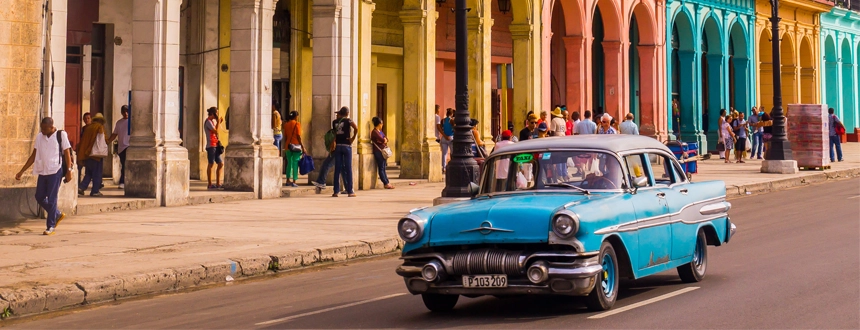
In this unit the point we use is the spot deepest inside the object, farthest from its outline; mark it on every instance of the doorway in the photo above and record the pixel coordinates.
(382, 105)
(74, 88)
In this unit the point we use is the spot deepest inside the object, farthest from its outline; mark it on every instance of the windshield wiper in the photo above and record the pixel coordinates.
(568, 185)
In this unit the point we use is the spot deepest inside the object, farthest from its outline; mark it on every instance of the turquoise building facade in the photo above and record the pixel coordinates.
(710, 53)
(840, 46)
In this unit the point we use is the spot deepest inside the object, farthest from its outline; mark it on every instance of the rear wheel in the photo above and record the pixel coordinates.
(695, 270)
(605, 291)
(439, 302)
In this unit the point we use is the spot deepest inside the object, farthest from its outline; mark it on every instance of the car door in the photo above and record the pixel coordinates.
(681, 196)
(652, 217)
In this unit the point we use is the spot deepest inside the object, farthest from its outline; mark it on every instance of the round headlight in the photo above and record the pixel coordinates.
(409, 230)
(565, 225)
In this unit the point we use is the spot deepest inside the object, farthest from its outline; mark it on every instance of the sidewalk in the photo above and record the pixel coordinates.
(107, 256)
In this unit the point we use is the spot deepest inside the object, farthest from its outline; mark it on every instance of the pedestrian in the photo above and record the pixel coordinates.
(606, 125)
(543, 118)
(345, 132)
(676, 118)
(614, 124)
(558, 125)
(836, 130)
(575, 118)
(720, 138)
(380, 143)
(506, 140)
(319, 183)
(628, 126)
(89, 153)
(528, 115)
(277, 128)
(757, 132)
(528, 132)
(478, 147)
(214, 147)
(766, 123)
(438, 128)
(87, 119)
(568, 123)
(121, 135)
(446, 135)
(740, 126)
(511, 128)
(542, 130)
(294, 148)
(52, 161)
(728, 137)
(586, 126)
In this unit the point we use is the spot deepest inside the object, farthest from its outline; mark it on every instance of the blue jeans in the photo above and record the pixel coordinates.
(47, 188)
(836, 140)
(122, 166)
(94, 174)
(278, 140)
(381, 164)
(343, 167)
(446, 149)
(324, 170)
(757, 145)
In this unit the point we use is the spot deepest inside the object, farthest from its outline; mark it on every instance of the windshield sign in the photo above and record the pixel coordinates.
(559, 170)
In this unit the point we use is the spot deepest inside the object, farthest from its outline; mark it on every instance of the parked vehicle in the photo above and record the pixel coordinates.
(566, 216)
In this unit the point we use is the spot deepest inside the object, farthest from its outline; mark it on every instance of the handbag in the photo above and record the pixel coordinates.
(721, 146)
(294, 147)
(100, 148)
(747, 145)
(306, 164)
(386, 152)
(839, 128)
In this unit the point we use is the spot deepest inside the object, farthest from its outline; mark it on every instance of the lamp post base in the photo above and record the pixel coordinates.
(779, 166)
(448, 200)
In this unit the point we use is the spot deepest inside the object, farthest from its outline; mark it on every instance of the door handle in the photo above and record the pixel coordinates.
(661, 195)
(684, 191)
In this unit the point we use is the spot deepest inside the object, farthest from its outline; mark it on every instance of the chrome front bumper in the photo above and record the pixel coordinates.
(575, 276)
(731, 229)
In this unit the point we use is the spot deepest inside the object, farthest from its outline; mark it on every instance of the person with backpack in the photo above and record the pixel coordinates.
(294, 148)
(53, 162)
(345, 132)
(328, 140)
(837, 129)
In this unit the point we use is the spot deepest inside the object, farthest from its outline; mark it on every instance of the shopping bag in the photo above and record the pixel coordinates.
(100, 148)
(306, 164)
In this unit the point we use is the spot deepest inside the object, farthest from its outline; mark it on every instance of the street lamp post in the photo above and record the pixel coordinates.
(462, 169)
(780, 148)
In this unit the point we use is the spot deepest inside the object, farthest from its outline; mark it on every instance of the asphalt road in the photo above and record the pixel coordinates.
(795, 263)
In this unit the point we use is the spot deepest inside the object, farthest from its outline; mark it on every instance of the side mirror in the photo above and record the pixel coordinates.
(639, 182)
(474, 189)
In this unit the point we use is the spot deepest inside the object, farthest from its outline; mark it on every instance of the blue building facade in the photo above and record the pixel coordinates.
(840, 46)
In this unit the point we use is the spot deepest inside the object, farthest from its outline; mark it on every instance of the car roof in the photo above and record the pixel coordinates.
(616, 143)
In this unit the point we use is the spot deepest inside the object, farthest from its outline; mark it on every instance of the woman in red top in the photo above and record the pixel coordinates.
(380, 142)
(213, 151)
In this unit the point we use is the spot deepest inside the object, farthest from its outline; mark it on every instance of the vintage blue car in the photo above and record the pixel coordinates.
(565, 216)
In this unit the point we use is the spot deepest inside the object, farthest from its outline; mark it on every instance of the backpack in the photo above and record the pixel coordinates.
(330, 136)
(62, 158)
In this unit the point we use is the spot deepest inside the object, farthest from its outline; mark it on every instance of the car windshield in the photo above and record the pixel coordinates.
(561, 170)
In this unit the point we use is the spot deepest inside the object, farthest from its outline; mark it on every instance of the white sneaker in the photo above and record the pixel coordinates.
(122, 186)
(49, 232)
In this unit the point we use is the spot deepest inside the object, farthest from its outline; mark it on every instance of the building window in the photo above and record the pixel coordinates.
(282, 29)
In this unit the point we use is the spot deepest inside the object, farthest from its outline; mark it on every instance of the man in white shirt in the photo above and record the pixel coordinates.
(558, 126)
(53, 162)
(586, 126)
(628, 126)
(121, 135)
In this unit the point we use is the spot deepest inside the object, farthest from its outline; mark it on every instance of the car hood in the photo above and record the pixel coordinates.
(515, 218)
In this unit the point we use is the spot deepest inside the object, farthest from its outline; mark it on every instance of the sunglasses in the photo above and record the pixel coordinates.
(532, 122)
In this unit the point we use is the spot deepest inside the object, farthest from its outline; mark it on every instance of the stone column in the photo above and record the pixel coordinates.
(719, 94)
(332, 40)
(367, 174)
(156, 165)
(55, 95)
(614, 81)
(690, 102)
(252, 162)
(480, 26)
(420, 156)
(527, 92)
(201, 91)
(649, 113)
(742, 96)
(575, 81)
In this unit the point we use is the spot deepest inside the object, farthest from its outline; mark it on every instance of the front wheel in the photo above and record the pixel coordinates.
(695, 270)
(439, 302)
(605, 291)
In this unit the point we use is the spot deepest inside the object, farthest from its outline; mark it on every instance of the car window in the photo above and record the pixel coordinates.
(552, 170)
(663, 170)
(636, 168)
(680, 174)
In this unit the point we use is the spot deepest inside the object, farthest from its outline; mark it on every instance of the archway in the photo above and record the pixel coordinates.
(739, 72)
(598, 70)
(643, 70)
(713, 83)
(567, 55)
(683, 83)
(847, 85)
(830, 74)
(606, 59)
(766, 71)
(789, 70)
(807, 73)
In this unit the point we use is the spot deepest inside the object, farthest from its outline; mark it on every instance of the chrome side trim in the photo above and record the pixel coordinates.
(658, 220)
(715, 208)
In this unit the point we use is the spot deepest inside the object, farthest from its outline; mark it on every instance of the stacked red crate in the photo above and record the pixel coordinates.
(808, 133)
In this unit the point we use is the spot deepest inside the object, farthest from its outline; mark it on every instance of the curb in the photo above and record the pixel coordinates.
(50, 298)
(783, 184)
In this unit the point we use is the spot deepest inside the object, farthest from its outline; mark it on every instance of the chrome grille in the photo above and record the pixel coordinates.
(487, 261)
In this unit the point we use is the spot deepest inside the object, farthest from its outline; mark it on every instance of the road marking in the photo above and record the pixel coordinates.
(288, 318)
(643, 303)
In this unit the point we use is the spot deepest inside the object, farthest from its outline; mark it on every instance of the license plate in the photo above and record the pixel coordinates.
(485, 281)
